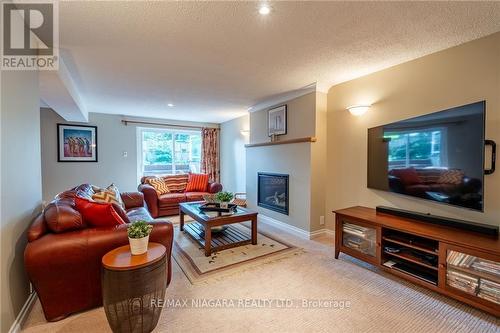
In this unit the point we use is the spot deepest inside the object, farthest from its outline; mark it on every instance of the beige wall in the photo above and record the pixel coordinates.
(113, 139)
(233, 153)
(300, 119)
(287, 159)
(318, 164)
(453, 77)
(21, 188)
(292, 159)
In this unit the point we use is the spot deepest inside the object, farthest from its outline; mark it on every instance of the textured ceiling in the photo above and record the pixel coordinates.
(213, 60)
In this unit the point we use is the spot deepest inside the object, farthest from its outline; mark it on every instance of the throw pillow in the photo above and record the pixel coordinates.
(197, 182)
(106, 197)
(115, 190)
(109, 194)
(454, 177)
(97, 189)
(429, 175)
(176, 183)
(159, 185)
(98, 214)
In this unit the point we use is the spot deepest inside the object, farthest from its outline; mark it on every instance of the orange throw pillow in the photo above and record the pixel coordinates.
(159, 185)
(176, 183)
(98, 214)
(198, 182)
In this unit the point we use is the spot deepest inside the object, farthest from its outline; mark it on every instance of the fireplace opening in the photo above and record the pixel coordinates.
(273, 192)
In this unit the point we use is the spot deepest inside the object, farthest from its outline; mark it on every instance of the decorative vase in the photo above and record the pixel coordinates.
(224, 205)
(138, 246)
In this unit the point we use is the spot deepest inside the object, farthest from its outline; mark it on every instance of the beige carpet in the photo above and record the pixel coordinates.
(379, 302)
(190, 256)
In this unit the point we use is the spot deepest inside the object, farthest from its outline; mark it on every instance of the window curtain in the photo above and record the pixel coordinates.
(210, 153)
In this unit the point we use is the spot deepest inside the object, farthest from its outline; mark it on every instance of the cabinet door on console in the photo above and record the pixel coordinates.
(359, 239)
(474, 275)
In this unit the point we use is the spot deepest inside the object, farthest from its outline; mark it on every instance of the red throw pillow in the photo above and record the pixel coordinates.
(98, 214)
(197, 182)
(408, 176)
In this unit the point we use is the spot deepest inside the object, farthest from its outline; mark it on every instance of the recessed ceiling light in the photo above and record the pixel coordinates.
(264, 10)
(170, 105)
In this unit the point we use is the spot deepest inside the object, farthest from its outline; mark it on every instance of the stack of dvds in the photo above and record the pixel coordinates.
(359, 238)
(460, 259)
(486, 266)
(489, 290)
(462, 281)
(358, 230)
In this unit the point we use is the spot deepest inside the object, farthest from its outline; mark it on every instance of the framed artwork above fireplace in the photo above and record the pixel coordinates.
(272, 191)
(277, 120)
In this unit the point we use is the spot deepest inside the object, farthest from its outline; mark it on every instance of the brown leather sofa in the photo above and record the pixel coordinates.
(63, 255)
(168, 204)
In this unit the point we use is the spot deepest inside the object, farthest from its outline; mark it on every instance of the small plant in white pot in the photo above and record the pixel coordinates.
(224, 198)
(138, 237)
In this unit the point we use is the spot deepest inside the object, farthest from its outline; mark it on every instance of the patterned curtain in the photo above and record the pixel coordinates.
(210, 153)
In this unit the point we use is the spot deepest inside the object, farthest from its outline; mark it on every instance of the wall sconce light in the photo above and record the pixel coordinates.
(245, 132)
(358, 110)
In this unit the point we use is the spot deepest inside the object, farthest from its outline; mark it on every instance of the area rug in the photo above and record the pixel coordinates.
(175, 219)
(190, 256)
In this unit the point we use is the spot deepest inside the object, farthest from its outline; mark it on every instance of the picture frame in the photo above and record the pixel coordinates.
(277, 120)
(76, 143)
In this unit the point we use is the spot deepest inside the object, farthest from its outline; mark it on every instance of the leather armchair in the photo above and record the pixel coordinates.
(132, 199)
(65, 267)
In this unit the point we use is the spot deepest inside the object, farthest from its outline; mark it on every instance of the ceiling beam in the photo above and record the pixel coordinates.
(59, 91)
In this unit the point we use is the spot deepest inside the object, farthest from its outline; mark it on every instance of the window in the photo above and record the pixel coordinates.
(166, 151)
(417, 148)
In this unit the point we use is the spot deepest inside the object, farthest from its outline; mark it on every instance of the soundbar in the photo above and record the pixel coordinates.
(485, 229)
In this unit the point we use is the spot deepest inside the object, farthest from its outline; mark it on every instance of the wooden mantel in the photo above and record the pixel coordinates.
(283, 142)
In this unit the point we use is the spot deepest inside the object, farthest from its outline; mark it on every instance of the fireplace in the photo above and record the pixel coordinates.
(272, 191)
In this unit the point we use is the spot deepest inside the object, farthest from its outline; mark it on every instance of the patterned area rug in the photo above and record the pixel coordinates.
(191, 258)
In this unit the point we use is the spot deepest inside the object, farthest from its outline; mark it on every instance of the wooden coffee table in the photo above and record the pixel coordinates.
(201, 230)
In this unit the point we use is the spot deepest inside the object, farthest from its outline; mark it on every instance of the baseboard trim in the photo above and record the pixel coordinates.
(322, 232)
(23, 314)
(292, 229)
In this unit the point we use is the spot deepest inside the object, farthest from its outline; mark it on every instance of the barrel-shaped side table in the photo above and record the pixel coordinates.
(133, 287)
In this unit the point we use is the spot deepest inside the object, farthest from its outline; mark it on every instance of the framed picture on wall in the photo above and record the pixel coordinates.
(76, 143)
(277, 120)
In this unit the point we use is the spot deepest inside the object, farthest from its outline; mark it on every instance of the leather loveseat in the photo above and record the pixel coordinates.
(63, 255)
(168, 204)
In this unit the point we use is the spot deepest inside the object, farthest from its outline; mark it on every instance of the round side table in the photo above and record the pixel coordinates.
(133, 286)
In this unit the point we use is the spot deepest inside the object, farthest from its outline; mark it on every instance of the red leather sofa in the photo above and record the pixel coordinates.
(63, 255)
(168, 204)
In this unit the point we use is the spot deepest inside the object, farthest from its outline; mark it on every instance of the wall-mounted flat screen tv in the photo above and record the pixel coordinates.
(438, 156)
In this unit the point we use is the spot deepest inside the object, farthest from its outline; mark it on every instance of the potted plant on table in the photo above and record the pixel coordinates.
(224, 198)
(138, 237)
